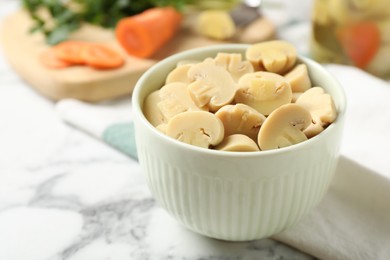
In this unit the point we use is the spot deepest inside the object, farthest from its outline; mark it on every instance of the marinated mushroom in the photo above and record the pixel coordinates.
(151, 110)
(212, 86)
(240, 119)
(162, 128)
(179, 74)
(299, 78)
(198, 128)
(258, 30)
(376, 65)
(295, 96)
(284, 127)
(321, 13)
(174, 99)
(216, 24)
(186, 62)
(357, 10)
(339, 14)
(274, 56)
(321, 107)
(239, 100)
(237, 143)
(234, 64)
(263, 91)
(384, 28)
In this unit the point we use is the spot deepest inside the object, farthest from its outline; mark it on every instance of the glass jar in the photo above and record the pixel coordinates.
(354, 32)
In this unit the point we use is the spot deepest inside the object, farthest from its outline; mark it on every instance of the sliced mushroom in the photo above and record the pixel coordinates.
(216, 24)
(186, 62)
(299, 78)
(321, 107)
(274, 56)
(349, 11)
(369, 9)
(237, 143)
(240, 119)
(295, 96)
(313, 130)
(377, 64)
(174, 99)
(361, 4)
(384, 28)
(339, 11)
(211, 86)
(257, 31)
(321, 13)
(151, 110)
(284, 127)
(162, 128)
(263, 91)
(233, 63)
(198, 128)
(179, 74)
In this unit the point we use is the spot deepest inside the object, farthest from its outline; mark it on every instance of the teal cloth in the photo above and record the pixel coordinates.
(122, 137)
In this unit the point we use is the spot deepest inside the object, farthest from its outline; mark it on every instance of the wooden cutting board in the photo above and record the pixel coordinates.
(22, 50)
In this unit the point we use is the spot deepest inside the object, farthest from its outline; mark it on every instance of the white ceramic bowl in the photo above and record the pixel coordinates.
(236, 196)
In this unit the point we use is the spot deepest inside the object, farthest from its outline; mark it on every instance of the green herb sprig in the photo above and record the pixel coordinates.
(60, 18)
(56, 19)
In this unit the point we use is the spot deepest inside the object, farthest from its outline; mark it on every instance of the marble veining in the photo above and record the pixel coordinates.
(67, 196)
(118, 220)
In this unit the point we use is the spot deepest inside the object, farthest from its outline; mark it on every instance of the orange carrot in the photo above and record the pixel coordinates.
(50, 60)
(70, 51)
(101, 57)
(144, 34)
(360, 42)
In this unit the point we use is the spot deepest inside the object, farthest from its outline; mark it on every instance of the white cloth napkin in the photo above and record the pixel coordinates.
(353, 220)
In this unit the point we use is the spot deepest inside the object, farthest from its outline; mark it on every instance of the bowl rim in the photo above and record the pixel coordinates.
(137, 106)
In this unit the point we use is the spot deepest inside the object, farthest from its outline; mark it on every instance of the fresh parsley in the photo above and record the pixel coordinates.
(56, 19)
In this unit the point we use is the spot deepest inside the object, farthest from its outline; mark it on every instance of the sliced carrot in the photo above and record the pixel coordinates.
(70, 51)
(50, 60)
(360, 42)
(101, 57)
(144, 34)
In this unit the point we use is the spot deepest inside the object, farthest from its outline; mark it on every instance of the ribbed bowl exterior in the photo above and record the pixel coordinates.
(231, 195)
(237, 207)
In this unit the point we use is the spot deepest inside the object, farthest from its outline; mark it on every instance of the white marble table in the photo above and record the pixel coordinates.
(65, 195)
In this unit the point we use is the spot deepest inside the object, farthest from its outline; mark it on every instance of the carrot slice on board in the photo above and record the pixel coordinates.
(70, 51)
(81, 53)
(49, 59)
(101, 57)
(360, 42)
(143, 34)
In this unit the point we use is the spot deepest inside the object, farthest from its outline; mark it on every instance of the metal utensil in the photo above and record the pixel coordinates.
(246, 12)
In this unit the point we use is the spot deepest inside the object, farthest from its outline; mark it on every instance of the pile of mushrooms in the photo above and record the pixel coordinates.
(265, 101)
